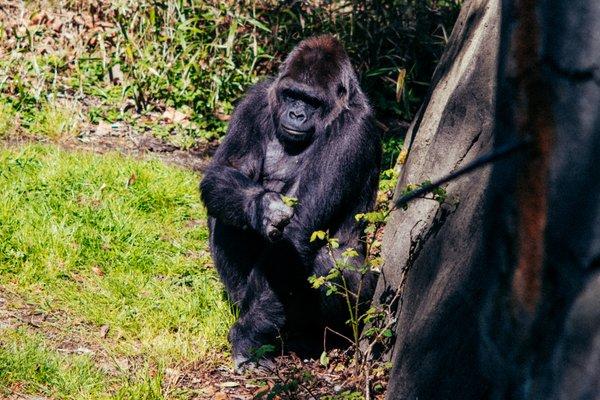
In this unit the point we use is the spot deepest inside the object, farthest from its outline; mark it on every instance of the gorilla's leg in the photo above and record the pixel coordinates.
(235, 252)
(240, 257)
(262, 316)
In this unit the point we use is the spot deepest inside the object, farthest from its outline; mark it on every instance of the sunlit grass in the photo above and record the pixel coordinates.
(27, 366)
(55, 120)
(110, 240)
(8, 120)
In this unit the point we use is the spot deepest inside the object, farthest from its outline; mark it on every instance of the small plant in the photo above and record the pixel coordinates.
(371, 329)
(8, 122)
(54, 121)
(378, 321)
(335, 282)
(437, 194)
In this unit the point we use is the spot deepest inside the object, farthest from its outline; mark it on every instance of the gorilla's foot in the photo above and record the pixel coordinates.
(243, 364)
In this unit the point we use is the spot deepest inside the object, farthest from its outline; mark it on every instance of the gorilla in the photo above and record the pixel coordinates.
(307, 134)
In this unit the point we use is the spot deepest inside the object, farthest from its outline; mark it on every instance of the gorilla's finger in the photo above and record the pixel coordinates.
(243, 365)
(240, 363)
(282, 223)
(281, 219)
(273, 233)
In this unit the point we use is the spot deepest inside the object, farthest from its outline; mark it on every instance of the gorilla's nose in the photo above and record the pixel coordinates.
(297, 116)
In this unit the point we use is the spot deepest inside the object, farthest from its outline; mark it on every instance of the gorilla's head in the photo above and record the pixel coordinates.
(316, 83)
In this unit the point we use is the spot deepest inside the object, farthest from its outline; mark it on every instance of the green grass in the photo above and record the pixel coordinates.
(27, 364)
(54, 121)
(106, 240)
(8, 118)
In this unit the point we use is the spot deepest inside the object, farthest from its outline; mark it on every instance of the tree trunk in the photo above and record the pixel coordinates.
(430, 249)
(500, 285)
(540, 328)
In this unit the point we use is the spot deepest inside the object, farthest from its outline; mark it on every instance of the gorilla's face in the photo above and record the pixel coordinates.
(313, 88)
(299, 111)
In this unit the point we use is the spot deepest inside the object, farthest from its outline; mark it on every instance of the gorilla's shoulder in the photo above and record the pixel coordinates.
(261, 87)
(258, 93)
(255, 98)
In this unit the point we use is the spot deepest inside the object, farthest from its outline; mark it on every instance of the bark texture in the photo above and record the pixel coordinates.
(540, 327)
(500, 286)
(430, 248)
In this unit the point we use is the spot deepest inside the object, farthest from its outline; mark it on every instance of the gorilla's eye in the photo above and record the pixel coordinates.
(341, 91)
(313, 102)
(289, 95)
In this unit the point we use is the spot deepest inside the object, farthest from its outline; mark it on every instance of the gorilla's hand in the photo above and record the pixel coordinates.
(273, 215)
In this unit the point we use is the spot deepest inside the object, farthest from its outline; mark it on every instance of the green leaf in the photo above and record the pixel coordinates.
(263, 350)
(317, 282)
(289, 201)
(350, 253)
(370, 332)
(334, 273)
(324, 359)
(318, 235)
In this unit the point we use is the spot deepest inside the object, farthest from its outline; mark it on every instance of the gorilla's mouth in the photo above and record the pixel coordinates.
(294, 132)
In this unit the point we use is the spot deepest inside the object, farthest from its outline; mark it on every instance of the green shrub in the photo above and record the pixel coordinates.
(202, 55)
(208, 54)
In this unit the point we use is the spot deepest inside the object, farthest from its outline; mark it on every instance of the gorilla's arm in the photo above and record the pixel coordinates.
(229, 188)
(230, 195)
(340, 183)
(236, 200)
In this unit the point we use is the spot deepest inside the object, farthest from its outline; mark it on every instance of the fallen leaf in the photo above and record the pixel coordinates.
(97, 270)
(173, 116)
(262, 391)
(220, 396)
(104, 331)
(104, 24)
(78, 20)
(38, 19)
(222, 116)
(230, 384)
(131, 180)
(57, 25)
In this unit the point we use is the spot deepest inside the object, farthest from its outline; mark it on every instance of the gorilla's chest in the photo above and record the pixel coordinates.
(281, 170)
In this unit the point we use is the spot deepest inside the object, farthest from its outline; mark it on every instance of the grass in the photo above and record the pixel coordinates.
(28, 365)
(7, 120)
(55, 121)
(105, 241)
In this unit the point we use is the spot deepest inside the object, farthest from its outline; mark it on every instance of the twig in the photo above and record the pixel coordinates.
(495, 155)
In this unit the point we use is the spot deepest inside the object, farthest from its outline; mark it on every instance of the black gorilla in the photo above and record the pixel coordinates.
(306, 134)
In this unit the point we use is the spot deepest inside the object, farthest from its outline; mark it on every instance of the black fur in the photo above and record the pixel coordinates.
(260, 246)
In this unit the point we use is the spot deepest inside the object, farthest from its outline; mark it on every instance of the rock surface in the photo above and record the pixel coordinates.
(429, 248)
(499, 285)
